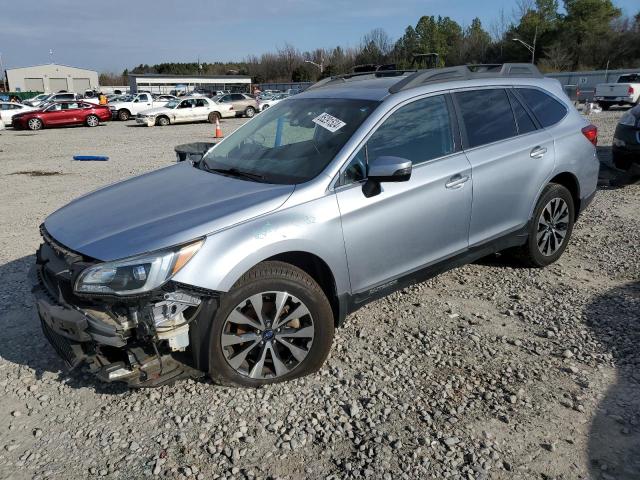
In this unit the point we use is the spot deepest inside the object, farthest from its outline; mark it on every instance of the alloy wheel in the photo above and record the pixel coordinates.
(35, 124)
(267, 335)
(553, 225)
(92, 121)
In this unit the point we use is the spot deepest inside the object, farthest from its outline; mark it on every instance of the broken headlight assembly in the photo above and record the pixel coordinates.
(136, 275)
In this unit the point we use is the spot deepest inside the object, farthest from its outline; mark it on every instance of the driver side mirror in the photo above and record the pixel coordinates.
(386, 169)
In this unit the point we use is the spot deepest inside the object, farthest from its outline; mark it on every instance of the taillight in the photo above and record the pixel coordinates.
(591, 132)
(630, 90)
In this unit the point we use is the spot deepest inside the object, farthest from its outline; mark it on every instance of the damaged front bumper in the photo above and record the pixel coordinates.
(144, 341)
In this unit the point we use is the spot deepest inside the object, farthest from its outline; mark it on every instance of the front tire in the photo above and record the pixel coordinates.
(274, 325)
(162, 121)
(92, 121)
(250, 112)
(550, 227)
(34, 124)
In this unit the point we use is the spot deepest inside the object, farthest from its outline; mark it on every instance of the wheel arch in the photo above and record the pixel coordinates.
(567, 180)
(163, 115)
(316, 268)
(571, 183)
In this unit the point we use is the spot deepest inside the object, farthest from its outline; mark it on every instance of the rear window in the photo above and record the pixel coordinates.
(547, 109)
(630, 78)
(487, 116)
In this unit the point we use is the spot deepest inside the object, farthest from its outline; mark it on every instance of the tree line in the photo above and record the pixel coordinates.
(588, 35)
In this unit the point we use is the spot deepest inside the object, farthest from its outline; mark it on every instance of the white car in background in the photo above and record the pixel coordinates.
(186, 110)
(9, 109)
(270, 102)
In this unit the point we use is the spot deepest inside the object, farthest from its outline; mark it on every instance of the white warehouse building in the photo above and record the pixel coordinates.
(160, 83)
(51, 78)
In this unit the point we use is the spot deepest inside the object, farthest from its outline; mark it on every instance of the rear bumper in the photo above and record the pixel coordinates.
(613, 99)
(585, 202)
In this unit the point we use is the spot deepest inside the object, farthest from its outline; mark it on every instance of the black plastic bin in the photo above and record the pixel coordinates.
(192, 151)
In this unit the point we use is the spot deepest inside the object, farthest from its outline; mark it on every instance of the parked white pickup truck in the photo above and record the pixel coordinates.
(626, 91)
(184, 110)
(133, 105)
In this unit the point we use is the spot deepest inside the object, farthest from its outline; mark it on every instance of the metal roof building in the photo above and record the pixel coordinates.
(158, 83)
(51, 78)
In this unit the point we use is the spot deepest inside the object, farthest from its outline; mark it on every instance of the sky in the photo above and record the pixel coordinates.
(118, 34)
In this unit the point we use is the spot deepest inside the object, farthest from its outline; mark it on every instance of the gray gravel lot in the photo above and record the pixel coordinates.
(488, 371)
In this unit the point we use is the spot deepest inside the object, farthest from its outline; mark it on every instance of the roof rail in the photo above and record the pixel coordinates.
(466, 72)
(357, 75)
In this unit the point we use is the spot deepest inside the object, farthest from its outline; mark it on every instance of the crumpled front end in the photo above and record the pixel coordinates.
(143, 340)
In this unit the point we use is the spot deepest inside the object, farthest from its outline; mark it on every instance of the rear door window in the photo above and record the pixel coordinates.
(486, 115)
(547, 109)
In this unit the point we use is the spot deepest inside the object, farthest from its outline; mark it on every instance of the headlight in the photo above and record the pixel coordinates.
(628, 119)
(138, 274)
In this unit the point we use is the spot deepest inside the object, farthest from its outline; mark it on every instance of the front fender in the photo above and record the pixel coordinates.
(313, 227)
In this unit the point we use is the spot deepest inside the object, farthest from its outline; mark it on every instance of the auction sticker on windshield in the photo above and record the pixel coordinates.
(329, 122)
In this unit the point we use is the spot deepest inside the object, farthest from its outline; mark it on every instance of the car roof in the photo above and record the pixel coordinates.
(382, 84)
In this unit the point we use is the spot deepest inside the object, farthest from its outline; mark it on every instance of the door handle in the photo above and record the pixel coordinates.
(538, 152)
(456, 182)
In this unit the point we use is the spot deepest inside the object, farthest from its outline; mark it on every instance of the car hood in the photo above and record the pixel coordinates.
(162, 208)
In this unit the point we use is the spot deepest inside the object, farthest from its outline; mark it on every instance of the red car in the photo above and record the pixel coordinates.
(73, 112)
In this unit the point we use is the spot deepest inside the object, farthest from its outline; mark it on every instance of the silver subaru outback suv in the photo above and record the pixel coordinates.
(242, 264)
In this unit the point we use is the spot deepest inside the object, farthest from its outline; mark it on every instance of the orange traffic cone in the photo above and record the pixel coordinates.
(218, 130)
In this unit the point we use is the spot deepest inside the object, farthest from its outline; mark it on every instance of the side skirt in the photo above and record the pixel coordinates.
(349, 303)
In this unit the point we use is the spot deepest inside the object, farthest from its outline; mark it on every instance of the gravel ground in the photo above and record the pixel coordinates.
(488, 371)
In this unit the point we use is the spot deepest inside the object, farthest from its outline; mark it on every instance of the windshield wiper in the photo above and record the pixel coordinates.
(234, 172)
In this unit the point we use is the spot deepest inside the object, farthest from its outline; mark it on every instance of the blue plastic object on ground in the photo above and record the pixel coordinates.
(98, 158)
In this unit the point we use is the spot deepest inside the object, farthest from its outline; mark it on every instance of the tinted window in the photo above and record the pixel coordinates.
(200, 103)
(547, 109)
(524, 121)
(487, 116)
(630, 78)
(237, 96)
(419, 132)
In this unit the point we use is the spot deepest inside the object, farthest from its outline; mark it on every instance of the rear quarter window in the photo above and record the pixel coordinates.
(547, 109)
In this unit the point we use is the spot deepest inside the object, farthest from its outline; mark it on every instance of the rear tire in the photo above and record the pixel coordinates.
(622, 162)
(250, 112)
(297, 347)
(35, 124)
(550, 227)
(92, 121)
(213, 116)
(604, 106)
(124, 115)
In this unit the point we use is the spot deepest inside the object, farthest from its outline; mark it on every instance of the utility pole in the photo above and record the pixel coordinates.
(531, 48)
(4, 74)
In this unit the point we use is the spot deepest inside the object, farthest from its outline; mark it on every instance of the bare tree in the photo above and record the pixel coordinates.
(379, 38)
(557, 58)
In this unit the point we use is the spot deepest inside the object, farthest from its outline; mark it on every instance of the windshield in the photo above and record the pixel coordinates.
(292, 141)
(172, 103)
